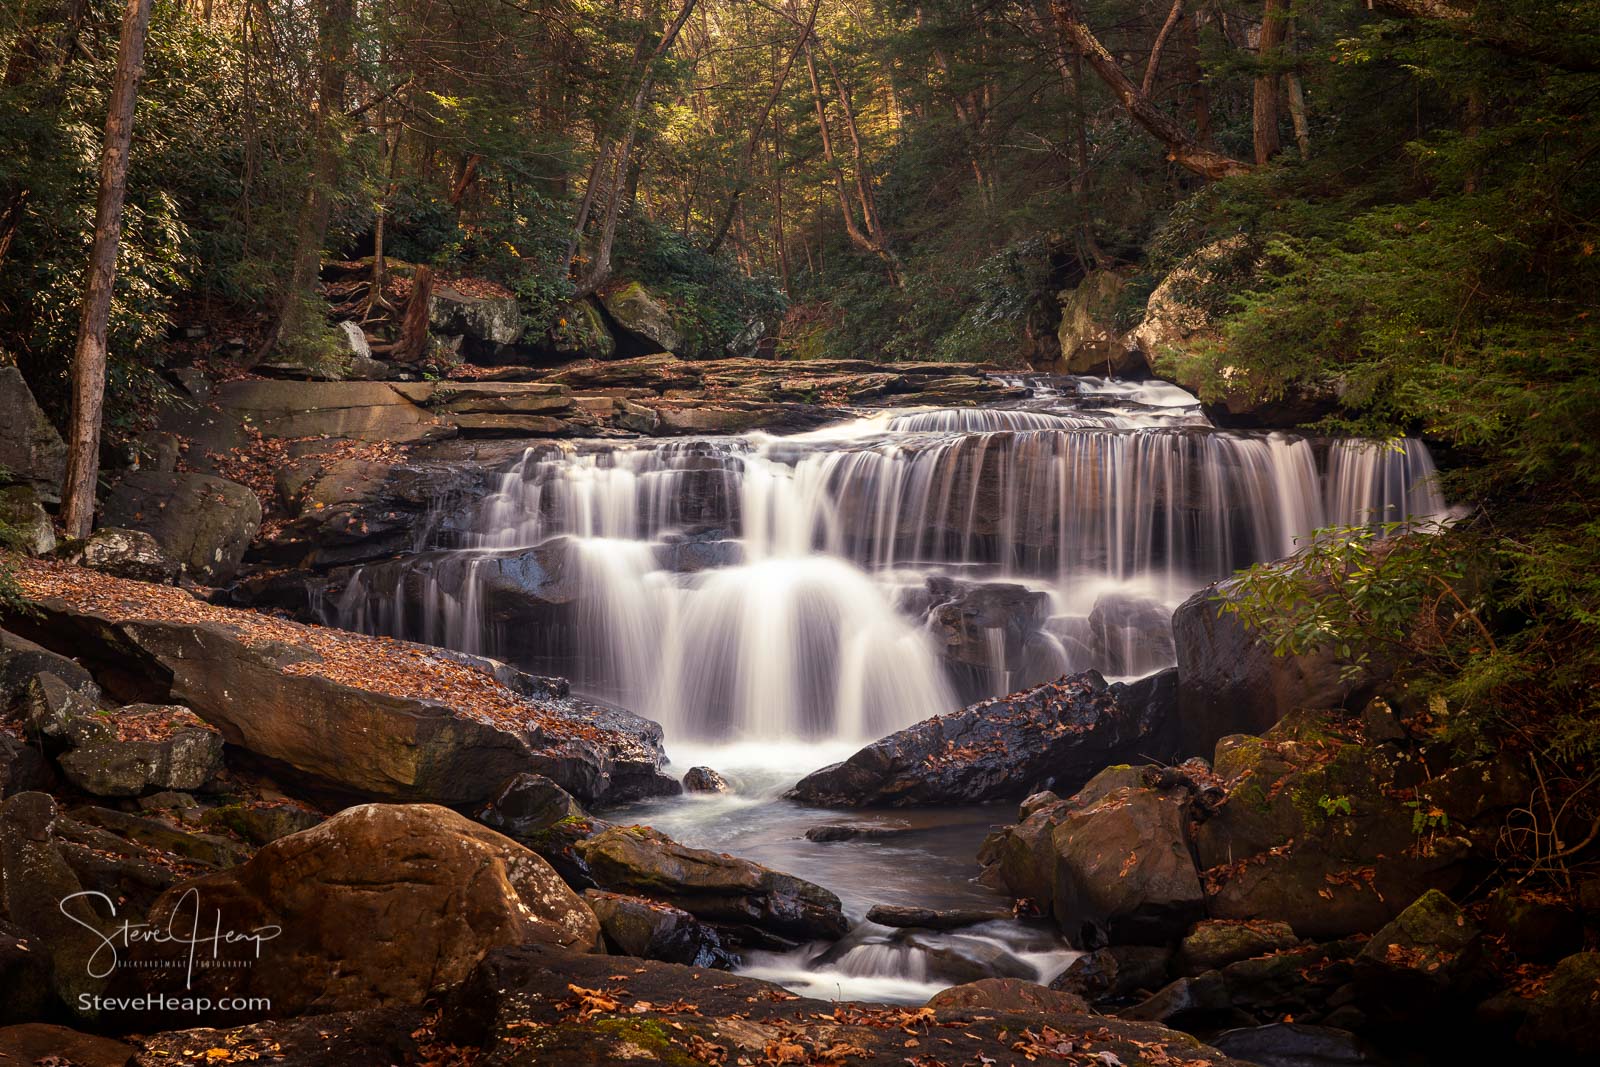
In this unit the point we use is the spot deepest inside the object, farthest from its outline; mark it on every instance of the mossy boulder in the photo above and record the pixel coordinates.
(121, 553)
(1215, 943)
(646, 322)
(204, 523)
(24, 522)
(145, 748)
(1089, 339)
(581, 332)
(1566, 1016)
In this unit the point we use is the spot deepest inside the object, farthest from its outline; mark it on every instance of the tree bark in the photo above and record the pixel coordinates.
(1264, 116)
(1154, 66)
(1182, 148)
(89, 356)
(412, 344)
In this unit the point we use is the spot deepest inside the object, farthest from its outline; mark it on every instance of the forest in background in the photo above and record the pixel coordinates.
(1400, 200)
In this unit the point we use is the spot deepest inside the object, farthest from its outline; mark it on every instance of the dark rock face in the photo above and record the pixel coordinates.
(204, 523)
(930, 918)
(856, 831)
(30, 447)
(380, 905)
(131, 554)
(1007, 994)
(1566, 1017)
(1054, 735)
(1276, 850)
(1295, 1045)
(24, 977)
(711, 886)
(537, 813)
(1231, 681)
(1216, 943)
(516, 987)
(145, 747)
(635, 926)
(1428, 960)
(22, 513)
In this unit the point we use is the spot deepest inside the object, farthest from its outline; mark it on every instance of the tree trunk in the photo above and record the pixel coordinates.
(1264, 120)
(1182, 148)
(412, 345)
(334, 40)
(1297, 113)
(89, 356)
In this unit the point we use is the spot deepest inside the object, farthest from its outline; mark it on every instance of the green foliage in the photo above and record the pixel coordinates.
(1331, 806)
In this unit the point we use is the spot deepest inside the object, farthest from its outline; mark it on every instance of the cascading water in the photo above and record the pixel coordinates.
(786, 599)
(850, 581)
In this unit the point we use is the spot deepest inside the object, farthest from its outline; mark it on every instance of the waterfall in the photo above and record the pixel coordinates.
(846, 582)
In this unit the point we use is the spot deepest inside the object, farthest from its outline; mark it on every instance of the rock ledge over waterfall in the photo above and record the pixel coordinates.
(1052, 736)
(349, 715)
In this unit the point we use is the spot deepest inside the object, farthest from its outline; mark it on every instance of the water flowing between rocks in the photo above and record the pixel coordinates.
(775, 602)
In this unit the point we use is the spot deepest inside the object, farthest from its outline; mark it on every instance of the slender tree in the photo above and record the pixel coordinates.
(89, 355)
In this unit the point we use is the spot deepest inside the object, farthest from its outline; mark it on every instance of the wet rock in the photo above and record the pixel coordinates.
(1215, 943)
(24, 517)
(855, 831)
(737, 1017)
(1566, 1016)
(1117, 973)
(346, 898)
(377, 1038)
(704, 780)
(121, 553)
(1131, 634)
(30, 447)
(1123, 870)
(932, 918)
(1010, 995)
(645, 322)
(535, 812)
(58, 1046)
(981, 626)
(1232, 683)
(147, 747)
(1295, 1045)
(204, 523)
(1052, 736)
(635, 926)
(711, 886)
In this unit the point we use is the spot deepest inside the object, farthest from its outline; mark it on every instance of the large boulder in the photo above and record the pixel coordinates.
(354, 716)
(649, 929)
(581, 332)
(1232, 683)
(381, 905)
(1090, 342)
(1431, 950)
(204, 523)
(711, 886)
(1053, 736)
(1566, 1016)
(30, 448)
(487, 318)
(145, 748)
(363, 411)
(645, 321)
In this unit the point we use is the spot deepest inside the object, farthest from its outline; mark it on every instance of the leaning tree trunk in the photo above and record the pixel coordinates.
(89, 357)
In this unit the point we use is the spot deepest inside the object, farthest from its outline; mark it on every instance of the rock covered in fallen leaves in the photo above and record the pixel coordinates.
(204, 523)
(344, 713)
(1008, 994)
(1216, 943)
(381, 905)
(539, 1006)
(1053, 736)
(711, 886)
(144, 747)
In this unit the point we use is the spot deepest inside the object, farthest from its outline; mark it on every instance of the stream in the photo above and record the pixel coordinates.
(776, 602)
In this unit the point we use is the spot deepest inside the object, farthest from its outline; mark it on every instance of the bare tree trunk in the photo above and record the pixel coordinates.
(1297, 113)
(1264, 120)
(1154, 66)
(1182, 148)
(89, 356)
